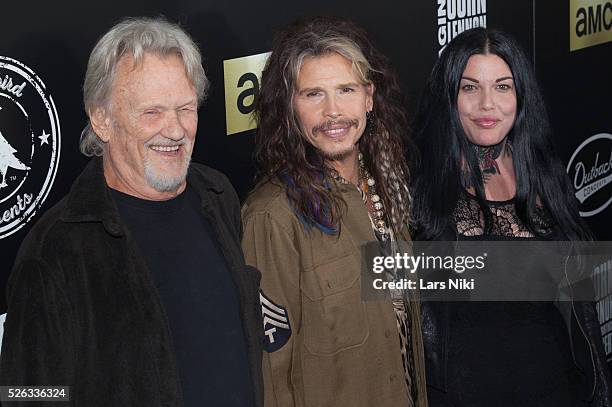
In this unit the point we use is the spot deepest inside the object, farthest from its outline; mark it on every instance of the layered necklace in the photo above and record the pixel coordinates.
(367, 187)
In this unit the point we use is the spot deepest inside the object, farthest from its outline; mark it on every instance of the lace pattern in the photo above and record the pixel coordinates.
(469, 219)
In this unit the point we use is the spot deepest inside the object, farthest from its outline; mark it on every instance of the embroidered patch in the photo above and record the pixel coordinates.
(276, 324)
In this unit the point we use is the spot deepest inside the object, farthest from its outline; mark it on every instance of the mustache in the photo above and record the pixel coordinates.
(328, 125)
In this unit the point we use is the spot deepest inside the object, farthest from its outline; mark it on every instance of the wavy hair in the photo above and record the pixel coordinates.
(134, 37)
(440, 138)
(283, 154)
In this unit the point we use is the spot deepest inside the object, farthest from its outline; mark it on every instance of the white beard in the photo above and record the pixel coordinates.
(163, 182)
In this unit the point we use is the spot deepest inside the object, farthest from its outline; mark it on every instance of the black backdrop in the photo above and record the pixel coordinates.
(55, 39)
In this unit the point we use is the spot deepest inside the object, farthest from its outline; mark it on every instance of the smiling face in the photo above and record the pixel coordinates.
(150, 130)
(487, 100)
(330, 103)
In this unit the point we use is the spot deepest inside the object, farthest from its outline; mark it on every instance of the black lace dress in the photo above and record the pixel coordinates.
(505, 353)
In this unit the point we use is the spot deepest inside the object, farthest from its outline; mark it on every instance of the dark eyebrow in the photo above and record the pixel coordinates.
(306, 90)
(469, 79)
(496, 81)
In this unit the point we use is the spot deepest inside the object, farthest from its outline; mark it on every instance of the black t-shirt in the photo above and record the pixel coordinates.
(198, 295)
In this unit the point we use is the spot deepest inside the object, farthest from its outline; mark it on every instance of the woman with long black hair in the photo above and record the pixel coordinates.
(488, 171)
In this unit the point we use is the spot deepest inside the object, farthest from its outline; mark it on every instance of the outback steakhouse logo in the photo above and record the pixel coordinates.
(590, 170)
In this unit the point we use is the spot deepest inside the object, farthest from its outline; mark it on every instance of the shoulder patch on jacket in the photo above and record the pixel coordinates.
(276, 324)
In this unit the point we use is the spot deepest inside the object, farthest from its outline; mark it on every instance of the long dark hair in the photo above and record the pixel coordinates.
(540, 176)
(283, 155)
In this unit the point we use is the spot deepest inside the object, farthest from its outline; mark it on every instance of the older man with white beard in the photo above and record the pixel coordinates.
(133, 290)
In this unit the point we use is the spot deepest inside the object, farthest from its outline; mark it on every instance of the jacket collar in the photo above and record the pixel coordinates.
(203, 178)
(90, 198)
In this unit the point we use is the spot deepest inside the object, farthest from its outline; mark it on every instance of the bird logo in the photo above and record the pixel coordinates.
(8, 160)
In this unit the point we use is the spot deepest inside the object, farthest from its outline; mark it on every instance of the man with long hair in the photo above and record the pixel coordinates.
(330, 148)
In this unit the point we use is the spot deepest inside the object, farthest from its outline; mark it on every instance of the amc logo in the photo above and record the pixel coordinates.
(590, 23)
(241, 77)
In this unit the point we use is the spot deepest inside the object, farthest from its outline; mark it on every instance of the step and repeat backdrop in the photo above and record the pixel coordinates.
(44, 50)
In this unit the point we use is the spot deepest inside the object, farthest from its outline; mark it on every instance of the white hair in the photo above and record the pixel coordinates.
(134, 37)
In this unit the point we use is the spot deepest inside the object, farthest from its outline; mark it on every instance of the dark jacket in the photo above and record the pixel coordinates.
(586, 345)
(83, 310)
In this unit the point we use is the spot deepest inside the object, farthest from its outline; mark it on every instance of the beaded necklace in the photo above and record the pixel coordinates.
(378, 214)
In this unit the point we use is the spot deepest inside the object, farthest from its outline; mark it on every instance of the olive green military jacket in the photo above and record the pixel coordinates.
(324, 345)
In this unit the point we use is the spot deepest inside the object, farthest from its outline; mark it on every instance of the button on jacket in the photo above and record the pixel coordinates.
(83, 311)
(335, 349)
